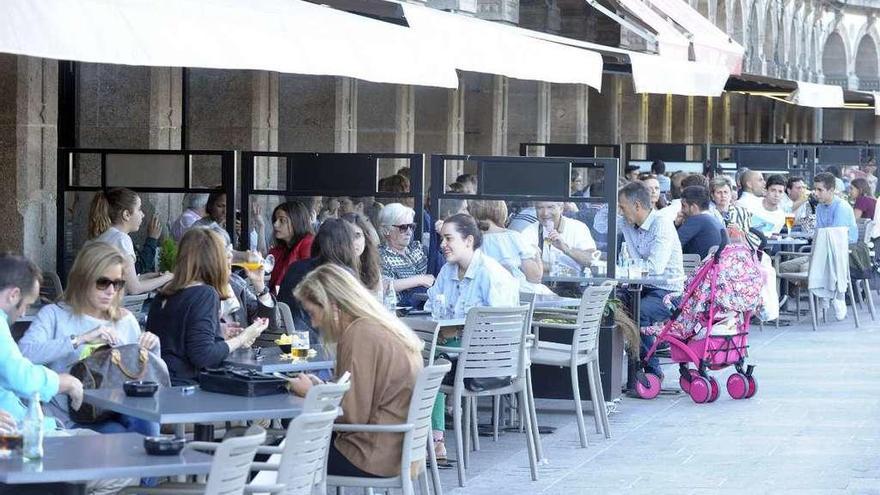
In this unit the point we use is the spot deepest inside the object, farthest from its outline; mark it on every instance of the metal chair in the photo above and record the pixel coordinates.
(493, 345)
(229, 470)
(866, 230)
(583, 350)
(416, 434)
(690, 262)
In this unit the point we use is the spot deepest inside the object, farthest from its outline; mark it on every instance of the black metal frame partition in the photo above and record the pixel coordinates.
(765, 158)
(673, 154)
(331, 175)
(584, 150)
(529, 179)
(69, 161)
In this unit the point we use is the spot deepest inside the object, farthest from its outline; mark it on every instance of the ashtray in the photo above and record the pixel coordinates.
(285, 348)
(163, 445)
(140, 388)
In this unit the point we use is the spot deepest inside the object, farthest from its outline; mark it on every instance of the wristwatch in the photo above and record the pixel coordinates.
(73, 342)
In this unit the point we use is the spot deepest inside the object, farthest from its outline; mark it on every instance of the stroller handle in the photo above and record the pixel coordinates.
(724, 241)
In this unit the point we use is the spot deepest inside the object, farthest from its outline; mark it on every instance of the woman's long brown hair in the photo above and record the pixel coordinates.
(201, 258)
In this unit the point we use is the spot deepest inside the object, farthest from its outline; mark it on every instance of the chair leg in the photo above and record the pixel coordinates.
(435, 471)
(857, 296)
(475, 424)
(797, 305)
(852, 299)
(813, 315)
(424, 487)
(578, 407)
(466, 431)
(496, 416)
(594, 398)
(459, 442)
(606, 427)
(530, 437)
(533, 415)
(870, 300)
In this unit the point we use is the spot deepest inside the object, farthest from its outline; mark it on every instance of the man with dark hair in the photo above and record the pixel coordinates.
(796, 198)
(469, 181)
(672, 211)
(658, 168)
(631, 172)
(19, 378)
(831, 210)
(651, 239)
(700, 229)
(769, 217)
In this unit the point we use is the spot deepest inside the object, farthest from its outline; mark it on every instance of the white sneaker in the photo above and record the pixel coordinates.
(839, 306)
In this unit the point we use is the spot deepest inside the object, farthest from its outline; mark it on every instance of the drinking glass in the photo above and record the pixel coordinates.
(10, 443)
(299, 347)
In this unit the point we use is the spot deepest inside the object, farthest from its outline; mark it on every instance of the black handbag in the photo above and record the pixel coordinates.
(473, 384)
(243, 382)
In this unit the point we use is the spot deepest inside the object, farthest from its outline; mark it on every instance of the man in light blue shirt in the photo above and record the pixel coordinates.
(19, 378)
(653, 239)
(831, 210)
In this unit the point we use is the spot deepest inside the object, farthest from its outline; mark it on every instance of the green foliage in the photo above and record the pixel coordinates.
(167, 255)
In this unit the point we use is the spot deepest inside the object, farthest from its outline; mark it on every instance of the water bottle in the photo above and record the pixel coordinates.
(253, 239)
(390, 298)
(32, 433)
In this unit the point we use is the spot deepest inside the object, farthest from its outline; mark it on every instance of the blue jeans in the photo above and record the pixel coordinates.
(652, 310)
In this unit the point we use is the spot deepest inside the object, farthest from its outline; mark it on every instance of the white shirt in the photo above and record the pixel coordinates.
(573, 232)
(768, 222)
(787, 204)
(183, 223)
(750, 202)
(671, 210)
(119, 240)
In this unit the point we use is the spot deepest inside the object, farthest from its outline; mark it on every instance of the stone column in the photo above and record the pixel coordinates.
(499, 115)
(582, 114)
(725, 118)
(689, 120)
(346, 115)
(544, 116)
(710, 121)
(28, 158)
(455, 120)
(847, 127)
(667, 118)
(166, 108)
(498, 10)
(264, 127)
(404, 118)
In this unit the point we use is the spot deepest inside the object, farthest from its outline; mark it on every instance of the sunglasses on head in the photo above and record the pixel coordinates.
(104, 282)
(405, 227)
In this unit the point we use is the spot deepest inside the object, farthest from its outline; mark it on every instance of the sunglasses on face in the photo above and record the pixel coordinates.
(104, 282)
(405, 227)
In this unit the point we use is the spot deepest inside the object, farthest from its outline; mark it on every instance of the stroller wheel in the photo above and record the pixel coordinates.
(647, 385)
(684, 381)
(700, 390)
(737, 386)
(753, 386)
(714, 391)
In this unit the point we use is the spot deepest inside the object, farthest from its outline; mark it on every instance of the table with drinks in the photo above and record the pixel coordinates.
(274, 359)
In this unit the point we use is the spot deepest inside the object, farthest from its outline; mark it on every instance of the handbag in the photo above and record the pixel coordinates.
(472, 384)
(110, 367)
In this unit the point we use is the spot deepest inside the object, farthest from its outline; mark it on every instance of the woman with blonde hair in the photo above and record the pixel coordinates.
(384, 359)
(186, 314)
(89, 313)
(504, 245)
(113, 216)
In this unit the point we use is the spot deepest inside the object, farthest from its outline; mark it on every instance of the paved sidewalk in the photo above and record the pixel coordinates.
(813, 427)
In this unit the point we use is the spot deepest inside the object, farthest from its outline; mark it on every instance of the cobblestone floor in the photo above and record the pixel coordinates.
(814, 427)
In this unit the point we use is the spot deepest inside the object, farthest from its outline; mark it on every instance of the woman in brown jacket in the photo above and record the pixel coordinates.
(384, 358)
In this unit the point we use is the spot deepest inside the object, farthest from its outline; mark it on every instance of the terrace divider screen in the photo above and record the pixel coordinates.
(685, 157)
(583, 150)
(524, 180)
(291, 175)
(786, 159)
(83, 171)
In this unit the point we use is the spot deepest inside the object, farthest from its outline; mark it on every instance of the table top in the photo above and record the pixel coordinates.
(790, 241)
(117, 455)
(269, 360)
(599, 280)
(171, 406)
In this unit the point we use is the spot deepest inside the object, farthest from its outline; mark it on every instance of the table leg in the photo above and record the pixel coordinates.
(633, 366)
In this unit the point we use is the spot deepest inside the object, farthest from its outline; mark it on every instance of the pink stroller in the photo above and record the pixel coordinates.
(710, 327)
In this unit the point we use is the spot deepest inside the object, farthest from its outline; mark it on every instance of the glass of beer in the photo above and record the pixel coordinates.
(299, 340)
(10, 444)
(789, 222)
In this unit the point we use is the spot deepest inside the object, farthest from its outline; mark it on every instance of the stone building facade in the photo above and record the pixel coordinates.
(172, 108)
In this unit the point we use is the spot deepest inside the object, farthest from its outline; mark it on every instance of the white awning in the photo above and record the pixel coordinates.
(817, 95)
(483, 46)
(665, 75)
(670, 41)
(711, 44)
(288, 36)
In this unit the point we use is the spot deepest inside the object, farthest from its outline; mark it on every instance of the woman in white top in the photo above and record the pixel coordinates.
(507, 247)
(114, 215)
(89, 313)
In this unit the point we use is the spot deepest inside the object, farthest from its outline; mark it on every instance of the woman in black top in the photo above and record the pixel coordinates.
(186, 315)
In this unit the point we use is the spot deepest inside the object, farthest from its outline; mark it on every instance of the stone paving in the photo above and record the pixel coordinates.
(813, 427)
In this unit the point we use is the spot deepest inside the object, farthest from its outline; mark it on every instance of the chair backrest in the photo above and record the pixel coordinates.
(690, 262)
(585, 339)
(232, 463)
(835, 239)
(321, 397)
(493, 343)
(285, 317)
(305, 450)
(421, 405)
(51, 288)
(427, 330)
(135, 303)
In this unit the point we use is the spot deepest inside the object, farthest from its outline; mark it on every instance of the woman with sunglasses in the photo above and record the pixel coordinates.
(89, 314)
(403, 260)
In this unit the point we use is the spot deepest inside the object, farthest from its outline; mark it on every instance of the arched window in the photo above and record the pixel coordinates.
(866, 65)
(834, 60)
